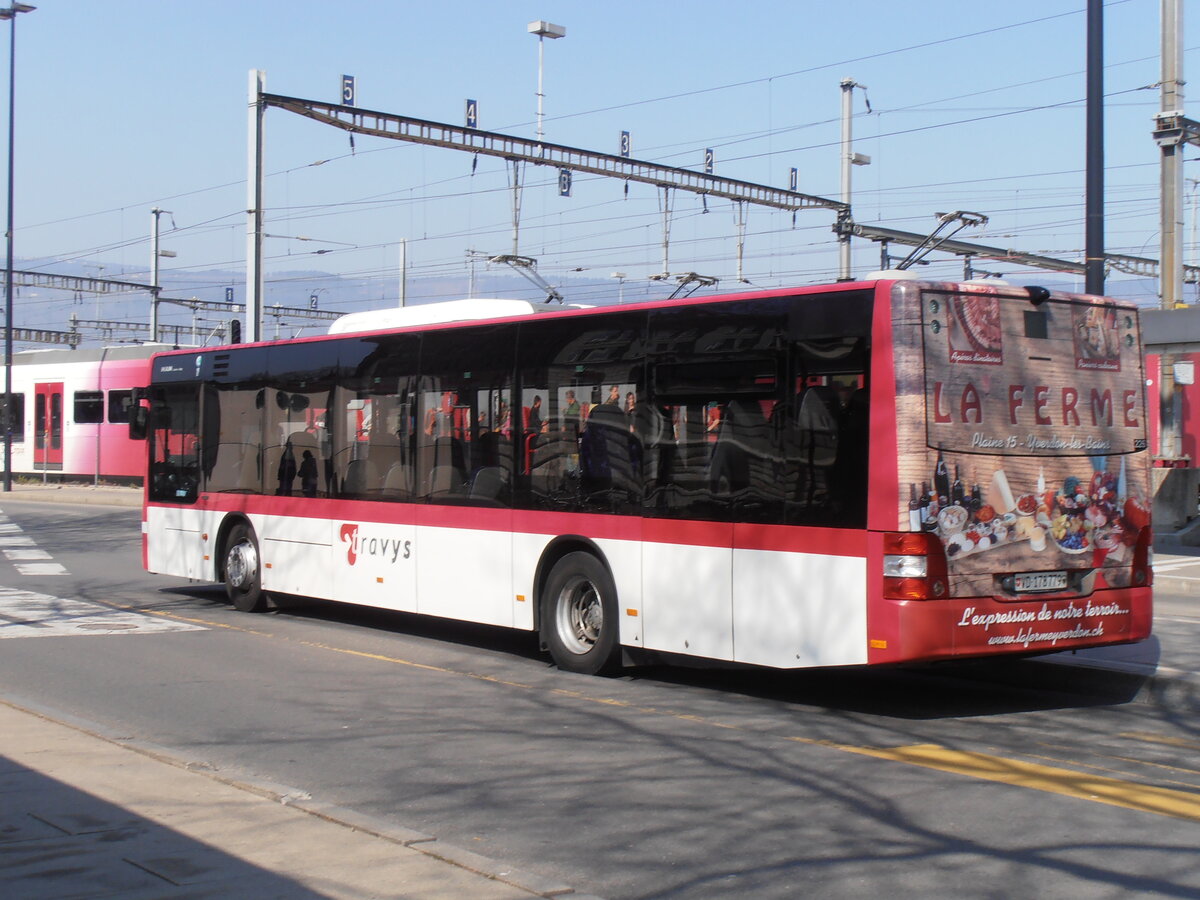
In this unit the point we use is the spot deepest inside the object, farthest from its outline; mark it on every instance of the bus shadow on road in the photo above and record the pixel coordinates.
(507, 641)
(935, 691)
(956, 689)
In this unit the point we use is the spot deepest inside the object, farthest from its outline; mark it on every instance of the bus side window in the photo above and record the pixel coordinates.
(237, 415)
(826, 444)
(850, 468)
(680, 444)
(608, 451)
(469, 421)
(812, 450)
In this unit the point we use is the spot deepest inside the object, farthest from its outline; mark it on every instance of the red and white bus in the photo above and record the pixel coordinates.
(71, 412)
(859, 473)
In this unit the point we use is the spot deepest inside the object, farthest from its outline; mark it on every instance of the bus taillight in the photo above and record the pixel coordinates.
(914, 567)
(1143, 561)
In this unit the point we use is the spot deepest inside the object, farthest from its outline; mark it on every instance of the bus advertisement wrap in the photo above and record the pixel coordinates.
(1025, 452)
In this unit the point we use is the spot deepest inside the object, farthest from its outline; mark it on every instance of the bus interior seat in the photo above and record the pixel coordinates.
(236, 468)
(604, 448)
(444, 481)
(250, 479)
(489, 483)
(447, 452)
(227, 470)
(359, 478)
(397, 482)
(384, 452)
(857, 413)
(741, 438)
(818, 425)
(486, 449)
(552, 457)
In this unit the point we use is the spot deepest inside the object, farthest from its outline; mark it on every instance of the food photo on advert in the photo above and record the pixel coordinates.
(1079, 514)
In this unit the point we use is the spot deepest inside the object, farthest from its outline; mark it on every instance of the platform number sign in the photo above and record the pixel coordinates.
(708, 161)
(347, 90)
(564, 182)
(794, 180)
(472, 114)
(625, 144)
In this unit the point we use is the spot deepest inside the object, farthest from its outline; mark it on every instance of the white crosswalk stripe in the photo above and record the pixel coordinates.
(1171, 564)
(19, 547)
(30, 614)
(43, 568)
(26, 554)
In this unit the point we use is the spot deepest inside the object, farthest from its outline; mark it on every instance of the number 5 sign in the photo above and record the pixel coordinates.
(347, 90)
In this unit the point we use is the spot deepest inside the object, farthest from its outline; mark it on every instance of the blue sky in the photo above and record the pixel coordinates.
(129, 104)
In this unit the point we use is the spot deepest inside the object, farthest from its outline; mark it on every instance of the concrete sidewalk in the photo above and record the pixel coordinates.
(89, 815)
(71, 492)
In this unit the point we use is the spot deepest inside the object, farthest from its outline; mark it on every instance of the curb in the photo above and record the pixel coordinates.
(76, 495)
(1162, 686)
(429, 845)
(1178, 583)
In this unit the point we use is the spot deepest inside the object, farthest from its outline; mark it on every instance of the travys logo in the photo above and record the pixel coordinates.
(388, 549)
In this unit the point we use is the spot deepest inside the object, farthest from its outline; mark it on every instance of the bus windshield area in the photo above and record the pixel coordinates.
(174, 443)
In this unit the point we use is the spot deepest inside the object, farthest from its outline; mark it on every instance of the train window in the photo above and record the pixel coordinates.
(18, 415)
(118, 406)
(89, 407)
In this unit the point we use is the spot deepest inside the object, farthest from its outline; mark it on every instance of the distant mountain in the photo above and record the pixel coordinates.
(302, 289)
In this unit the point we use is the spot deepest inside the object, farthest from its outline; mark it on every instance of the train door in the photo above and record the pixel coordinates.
(48, 425)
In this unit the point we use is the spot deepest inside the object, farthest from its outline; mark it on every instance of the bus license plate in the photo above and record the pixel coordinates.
(1033, 582)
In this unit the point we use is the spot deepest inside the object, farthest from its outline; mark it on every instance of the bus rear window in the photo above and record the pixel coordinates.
(1002, 377)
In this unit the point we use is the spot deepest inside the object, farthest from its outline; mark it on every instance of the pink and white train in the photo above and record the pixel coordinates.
(71, 413)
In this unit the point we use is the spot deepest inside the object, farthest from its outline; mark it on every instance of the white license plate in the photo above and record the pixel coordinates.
(1032, 582)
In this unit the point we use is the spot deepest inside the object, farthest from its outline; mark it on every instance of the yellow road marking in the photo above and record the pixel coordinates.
(1033, 776)
(1161, 739)
(1053, 780)
(1154, 765)
(1127, 759)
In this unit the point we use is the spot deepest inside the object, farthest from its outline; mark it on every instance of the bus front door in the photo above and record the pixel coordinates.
(48, 425)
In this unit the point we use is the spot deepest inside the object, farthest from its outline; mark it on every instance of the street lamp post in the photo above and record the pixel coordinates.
(10, 12)
(543, 30)
(155, 287)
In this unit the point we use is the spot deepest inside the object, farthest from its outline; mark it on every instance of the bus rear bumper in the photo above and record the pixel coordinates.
(925, 630)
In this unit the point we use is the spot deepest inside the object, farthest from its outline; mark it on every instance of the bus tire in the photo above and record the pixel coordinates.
(243, 574)
(579, 616)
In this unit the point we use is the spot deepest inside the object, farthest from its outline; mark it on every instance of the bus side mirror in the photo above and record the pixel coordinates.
(139, 417)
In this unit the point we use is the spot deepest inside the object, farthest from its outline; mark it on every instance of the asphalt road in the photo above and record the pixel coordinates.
(991, 779)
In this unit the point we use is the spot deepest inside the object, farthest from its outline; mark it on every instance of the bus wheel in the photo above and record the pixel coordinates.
(579, 616)
(243, 580)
